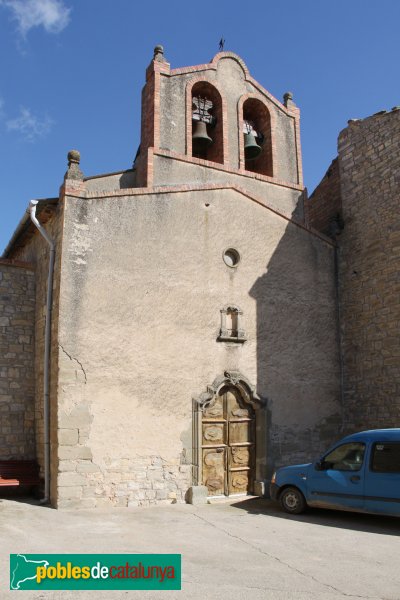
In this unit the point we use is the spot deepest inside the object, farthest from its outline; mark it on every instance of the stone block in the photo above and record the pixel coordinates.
(197, 494)
(66, 503)
(121, 501)
(86, 466)
(83, 434)
(67, 465)
(70, 479)
(88, 503)
(67, 437)
(78, 419)
(88, 492)
(260, 488)
(103, 502)
(133, 485)
(159, 485)
(155, 474)
(74, 452)
(70, 492)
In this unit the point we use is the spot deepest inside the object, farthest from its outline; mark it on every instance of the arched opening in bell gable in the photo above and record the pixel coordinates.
(207, 123)
(257, 138)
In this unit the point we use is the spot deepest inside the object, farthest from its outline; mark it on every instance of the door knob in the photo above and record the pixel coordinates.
(355, 478)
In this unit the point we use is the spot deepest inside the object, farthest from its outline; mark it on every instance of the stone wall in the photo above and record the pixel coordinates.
(362, 186)
(323, 209)
(369, 251)
(17, 339)
(33, 248)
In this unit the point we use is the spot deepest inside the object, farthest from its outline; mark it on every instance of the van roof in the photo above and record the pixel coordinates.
(375, 435)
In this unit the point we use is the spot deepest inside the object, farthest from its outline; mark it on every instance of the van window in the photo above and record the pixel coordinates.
(386, 457)
(347, 457)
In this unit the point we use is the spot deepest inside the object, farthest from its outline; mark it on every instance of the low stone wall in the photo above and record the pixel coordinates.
(17, 323)
(140, 481)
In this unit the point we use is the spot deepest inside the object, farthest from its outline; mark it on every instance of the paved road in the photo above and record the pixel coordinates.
(230, 551)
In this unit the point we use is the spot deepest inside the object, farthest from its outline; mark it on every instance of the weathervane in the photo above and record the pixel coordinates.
(221, 44)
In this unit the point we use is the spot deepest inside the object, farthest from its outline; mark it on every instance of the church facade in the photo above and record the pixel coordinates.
(196, 340)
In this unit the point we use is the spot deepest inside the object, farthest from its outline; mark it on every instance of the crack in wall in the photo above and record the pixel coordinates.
(282, 562)
(75, 359)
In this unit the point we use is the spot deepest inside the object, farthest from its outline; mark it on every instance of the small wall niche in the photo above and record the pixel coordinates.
(231, 329)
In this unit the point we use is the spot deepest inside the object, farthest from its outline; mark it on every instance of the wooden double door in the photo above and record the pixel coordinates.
(228, 447)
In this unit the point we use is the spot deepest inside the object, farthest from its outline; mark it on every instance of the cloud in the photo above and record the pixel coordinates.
(52, 15)
(1, 107)
(29, 126)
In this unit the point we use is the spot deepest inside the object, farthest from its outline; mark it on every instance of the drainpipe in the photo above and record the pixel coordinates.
(47, 339)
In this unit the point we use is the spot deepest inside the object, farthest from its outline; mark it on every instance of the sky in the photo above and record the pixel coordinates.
(71, 74)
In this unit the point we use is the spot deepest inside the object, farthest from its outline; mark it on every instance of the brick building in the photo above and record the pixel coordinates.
(195, 316)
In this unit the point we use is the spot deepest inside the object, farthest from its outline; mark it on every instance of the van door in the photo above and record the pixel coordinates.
(337, 481)
(382, 479)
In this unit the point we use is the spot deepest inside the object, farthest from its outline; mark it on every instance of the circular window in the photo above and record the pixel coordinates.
(231, 257)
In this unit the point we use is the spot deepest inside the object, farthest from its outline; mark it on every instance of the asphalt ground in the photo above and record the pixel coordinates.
(246, 550)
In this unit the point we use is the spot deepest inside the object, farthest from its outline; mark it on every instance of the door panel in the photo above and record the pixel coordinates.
(236, 409)
(239, 473)
(336, 489)
(382, 493)
(214, 475)
(240, 433)
(214, 434)
(382, 480)
(215, 410)
(340, 483)
(239, 482)
(240, 457)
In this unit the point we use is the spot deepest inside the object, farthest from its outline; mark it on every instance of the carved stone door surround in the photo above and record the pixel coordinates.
(229, 437)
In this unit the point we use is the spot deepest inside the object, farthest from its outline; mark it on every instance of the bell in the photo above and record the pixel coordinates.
(200, 138)
(251, 148)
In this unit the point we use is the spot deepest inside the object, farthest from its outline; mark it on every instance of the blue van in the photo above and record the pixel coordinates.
(359, 473)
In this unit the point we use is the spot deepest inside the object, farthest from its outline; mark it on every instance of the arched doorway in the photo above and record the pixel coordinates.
(228, 444)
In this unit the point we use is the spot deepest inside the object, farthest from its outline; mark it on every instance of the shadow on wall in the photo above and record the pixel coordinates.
(298, 369)
(128, 179)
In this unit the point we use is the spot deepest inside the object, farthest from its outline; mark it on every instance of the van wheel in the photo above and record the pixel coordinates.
(292, 501)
